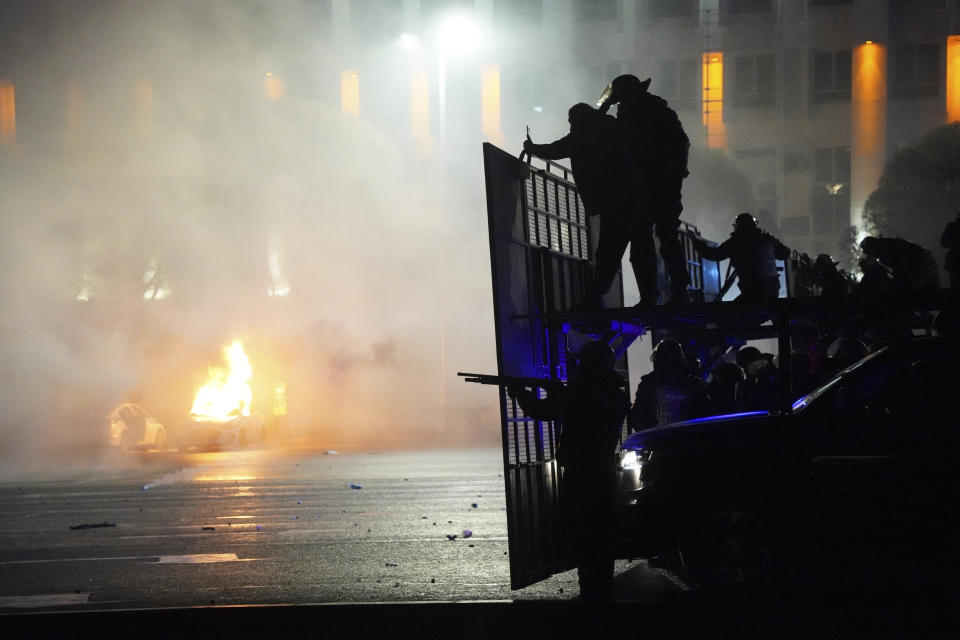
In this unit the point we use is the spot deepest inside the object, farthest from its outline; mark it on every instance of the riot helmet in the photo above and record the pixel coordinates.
(745, 222)
(668, 354)
(596, 356)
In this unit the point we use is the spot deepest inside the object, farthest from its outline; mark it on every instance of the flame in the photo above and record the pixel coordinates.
(226, 393)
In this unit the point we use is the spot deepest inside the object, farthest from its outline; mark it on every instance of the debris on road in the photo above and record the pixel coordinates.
(392, 564)
(474, 505)
(356, 486)
(451, 536)
(97, 525)
(209, 528)
(467, 533)
(295, 517)
(144, 487)
(332, 452)
(299, 501)
(259, 527)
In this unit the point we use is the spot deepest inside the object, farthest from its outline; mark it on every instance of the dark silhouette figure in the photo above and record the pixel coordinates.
(833, 283)
(753, 253)
(661, 148)
(876, 281)
(845, 352)
(670, 393)
(912, 266)
(591, 408)
(726, 387)
(601, 164)
(950, 240)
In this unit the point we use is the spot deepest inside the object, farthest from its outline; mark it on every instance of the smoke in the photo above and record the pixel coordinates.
(202, 191)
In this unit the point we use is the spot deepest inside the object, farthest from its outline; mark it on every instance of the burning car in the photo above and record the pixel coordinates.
(231, 432)
(132, 428)
(221, 416)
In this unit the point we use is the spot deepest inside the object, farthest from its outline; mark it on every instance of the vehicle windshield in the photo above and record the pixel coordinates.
(805, 401)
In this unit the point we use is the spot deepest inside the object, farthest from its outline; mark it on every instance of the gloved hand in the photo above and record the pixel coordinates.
(527, 144)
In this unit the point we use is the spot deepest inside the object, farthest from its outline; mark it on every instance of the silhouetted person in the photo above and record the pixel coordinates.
(753, 253)
(845, 352)
(727, 385)
(670, 393)
(601, 165)
(950, 240)
(876, 281)
(912, 266)
(833, 283)
(661, 149)
(591, 408)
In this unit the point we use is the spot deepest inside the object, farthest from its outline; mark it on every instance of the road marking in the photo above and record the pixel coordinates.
(46, 600)
(199, 558)
(195, 558)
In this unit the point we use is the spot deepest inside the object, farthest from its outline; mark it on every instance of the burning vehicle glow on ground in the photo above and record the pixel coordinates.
(221, 416)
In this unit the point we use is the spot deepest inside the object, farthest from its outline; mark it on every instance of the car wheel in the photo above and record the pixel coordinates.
(728, 548)
(160, 439)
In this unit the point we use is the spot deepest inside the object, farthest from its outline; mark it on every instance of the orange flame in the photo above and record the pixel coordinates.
(226, 393)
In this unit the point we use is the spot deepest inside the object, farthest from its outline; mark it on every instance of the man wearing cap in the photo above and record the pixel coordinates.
(660, 148)
(753, 253)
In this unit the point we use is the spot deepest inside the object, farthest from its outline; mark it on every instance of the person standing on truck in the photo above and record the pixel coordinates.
(753, 253)
(661, 148)
(670, 393)
(591, 409)
(912, 266)
(601, 164)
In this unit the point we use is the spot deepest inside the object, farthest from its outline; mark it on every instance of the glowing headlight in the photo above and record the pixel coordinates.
(632, 460)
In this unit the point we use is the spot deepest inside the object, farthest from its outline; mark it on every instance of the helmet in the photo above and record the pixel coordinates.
(628, 85)
(668, 354)
(845, 351)
(728, 372)
(744, 221)
(746, 355)
(824, 262)
(579, 112)
(869, 245)
(596, 356)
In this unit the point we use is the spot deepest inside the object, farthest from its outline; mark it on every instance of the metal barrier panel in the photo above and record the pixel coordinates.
(540, 247)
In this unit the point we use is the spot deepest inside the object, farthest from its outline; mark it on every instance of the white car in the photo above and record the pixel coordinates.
(133, 428)
(234, 432)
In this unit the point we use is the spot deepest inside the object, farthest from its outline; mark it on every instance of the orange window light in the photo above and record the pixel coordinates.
(350, 93)
(953, 78)
(713, 100)
(868, 124)
(273, 87)
(8, 114)
(490, 103)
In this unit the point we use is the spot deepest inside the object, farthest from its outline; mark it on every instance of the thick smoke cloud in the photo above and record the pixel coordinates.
(195, 199)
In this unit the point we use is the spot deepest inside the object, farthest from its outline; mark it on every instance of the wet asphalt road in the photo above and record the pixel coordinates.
(269, 527)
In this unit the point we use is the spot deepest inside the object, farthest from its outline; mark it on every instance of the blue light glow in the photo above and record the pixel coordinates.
(725, 416)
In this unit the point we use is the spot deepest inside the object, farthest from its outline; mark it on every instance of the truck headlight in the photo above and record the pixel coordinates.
(633, 460)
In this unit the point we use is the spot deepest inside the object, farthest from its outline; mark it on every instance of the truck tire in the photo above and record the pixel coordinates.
(728, 548)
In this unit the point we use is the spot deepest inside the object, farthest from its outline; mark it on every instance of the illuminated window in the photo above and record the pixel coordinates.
(916, 70)
(830, 76)
(597, 10)
(754, 80)
(677, 83)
